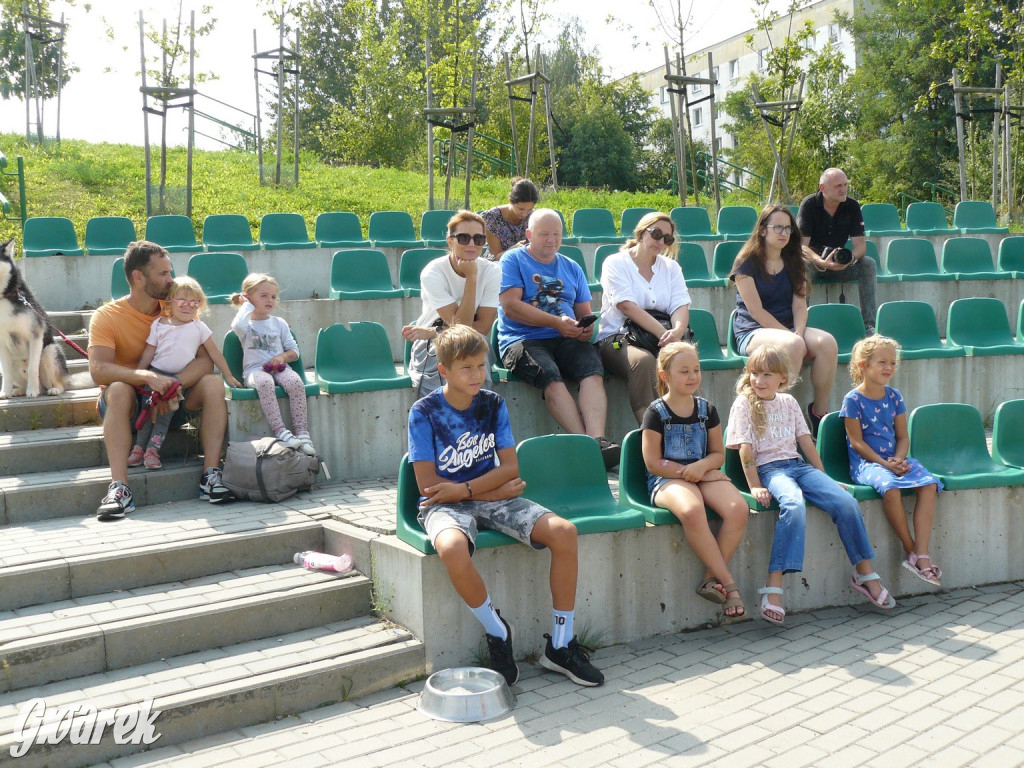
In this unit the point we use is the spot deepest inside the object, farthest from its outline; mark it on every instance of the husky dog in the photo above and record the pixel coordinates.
(30, 362)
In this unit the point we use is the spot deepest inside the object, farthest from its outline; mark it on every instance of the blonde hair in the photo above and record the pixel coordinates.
(461, 216)
(764, 359)
(648, 221)
(251, 282)
(864, 349)
(185, 285)
(459, 342)
(669, 353)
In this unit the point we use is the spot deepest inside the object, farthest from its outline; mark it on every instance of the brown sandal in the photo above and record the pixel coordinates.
(708, 592)
(733, 602)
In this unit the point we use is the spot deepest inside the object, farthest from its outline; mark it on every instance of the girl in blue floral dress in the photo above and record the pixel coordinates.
(877, 440)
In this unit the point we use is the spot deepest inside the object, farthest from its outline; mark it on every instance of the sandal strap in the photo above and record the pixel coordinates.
(731, 587)
(861, 578)
(770, 591)
(883, 598)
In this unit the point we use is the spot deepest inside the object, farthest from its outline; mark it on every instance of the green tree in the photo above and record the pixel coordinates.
(45, 52)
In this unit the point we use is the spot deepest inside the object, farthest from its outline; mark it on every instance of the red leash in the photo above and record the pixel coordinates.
(46, 320)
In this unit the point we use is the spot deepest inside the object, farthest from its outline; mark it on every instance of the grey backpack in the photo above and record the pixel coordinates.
(265, 470)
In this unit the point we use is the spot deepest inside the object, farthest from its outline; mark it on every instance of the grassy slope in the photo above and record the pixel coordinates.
(82, 180)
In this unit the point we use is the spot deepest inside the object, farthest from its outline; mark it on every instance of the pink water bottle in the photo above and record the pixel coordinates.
(323, 562)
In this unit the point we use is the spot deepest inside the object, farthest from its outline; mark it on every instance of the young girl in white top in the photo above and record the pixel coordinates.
(174, 339)
(766, 426)
(267, 348)
(683, 451)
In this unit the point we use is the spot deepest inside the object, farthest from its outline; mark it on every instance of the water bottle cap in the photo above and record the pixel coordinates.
(298, 558)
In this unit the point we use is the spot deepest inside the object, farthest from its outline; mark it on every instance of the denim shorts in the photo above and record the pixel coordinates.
(544, 361)
(180, 416)
(513, 517)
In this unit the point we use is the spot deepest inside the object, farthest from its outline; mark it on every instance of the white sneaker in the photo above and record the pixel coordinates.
(307, 444)
(289, 440)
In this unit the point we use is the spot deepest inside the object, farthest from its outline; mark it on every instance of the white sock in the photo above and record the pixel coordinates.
(561, 628)
(487, 616)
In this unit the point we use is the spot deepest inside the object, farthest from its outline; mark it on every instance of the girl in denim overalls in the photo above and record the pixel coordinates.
(683, 451)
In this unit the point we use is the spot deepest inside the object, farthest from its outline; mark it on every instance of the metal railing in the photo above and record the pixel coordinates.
(496, 164)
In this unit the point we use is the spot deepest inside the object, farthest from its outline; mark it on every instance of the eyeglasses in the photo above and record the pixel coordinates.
(463, 238)
(193, 303)
(657, 234)
(781, 229)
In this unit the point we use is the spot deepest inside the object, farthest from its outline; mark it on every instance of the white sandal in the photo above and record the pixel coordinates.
(931, 574)
(766, 606)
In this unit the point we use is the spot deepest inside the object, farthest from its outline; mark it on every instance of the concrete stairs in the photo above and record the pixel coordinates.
(196, 606)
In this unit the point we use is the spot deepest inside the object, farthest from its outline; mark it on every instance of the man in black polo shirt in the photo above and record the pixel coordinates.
(827, 219)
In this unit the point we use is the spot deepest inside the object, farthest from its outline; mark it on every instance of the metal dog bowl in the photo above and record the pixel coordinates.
(466, 695)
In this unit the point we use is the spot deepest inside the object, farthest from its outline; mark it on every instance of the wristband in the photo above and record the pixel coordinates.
(470, 489)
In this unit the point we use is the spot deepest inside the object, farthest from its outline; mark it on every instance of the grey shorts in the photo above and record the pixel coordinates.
(544, 361)
(513, 517)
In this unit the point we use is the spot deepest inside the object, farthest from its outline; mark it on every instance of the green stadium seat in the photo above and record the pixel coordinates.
(118, 282)
(1010, 257)
(976, 217)
(793, 209)
(693, 223)
(434, 228)
(630, 218)
(695, 267)
(567, 239)
(1020, 322)
(843, 321)
(927, 219)
(961, 463)
(602, 253)
(595, 225)
(730, 339)
(734, 471)
(50, 236)
(109, 235)
(220, 274)
(339, 229)
(969, 258)
(724, 258)
(912, 259)
(356, 359)
(175, 233)
(736, 222)
(1008, 434)
(705, 336)
(981, 327)
(576, 254)
(362, 273)
(284, 231)
(407, 526)
(913, 325)
(232, 349)
(882, 220)
(411, 264)
(566, 474)
(393, 229)
(871, 251)
(831, 447)
(498, 373)
(228, 232)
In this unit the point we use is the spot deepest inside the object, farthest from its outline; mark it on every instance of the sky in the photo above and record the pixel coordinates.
(102, 102)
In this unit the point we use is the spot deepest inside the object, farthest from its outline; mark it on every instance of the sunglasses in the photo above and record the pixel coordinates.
(781, 229)
(193, 303)
(463, 238)
(657, 234)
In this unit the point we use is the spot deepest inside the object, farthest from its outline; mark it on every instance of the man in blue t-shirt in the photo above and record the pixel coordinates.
(543, 296)
(464, 457)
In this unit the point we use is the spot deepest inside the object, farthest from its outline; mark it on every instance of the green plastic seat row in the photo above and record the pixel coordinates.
(363, 273)
(49, 236)
(563, 473)
(981, 326)
(881, 220)
(595, 225)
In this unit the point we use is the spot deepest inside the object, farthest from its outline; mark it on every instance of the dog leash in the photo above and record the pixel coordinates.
(46, 320)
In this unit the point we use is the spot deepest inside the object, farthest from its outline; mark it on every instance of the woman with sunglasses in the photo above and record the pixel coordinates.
(644, 277)
(458, 288)
(506, 224)
(771, 304)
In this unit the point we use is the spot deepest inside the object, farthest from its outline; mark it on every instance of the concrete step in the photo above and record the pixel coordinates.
(74, 407)
(69, 558)
(77, 492)
(209, 692)
(125, 628)
(73, 322)
(81, 339)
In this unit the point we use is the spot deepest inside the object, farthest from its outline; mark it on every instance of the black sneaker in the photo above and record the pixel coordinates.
(815, 420)
(573, 661)
(609, 452)
(117, 503)
(502, 658)
(212, 488)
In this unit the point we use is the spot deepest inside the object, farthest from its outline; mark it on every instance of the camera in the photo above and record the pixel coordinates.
(841, 256)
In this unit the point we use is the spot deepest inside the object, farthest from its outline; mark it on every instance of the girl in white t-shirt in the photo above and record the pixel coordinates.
(174, 339)
(766, 426)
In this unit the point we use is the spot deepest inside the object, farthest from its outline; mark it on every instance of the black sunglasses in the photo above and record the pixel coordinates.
(658, 235)
(463, 238)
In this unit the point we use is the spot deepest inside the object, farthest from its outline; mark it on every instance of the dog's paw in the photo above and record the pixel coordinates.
(32, 393)
(55, 391)
(17, 391)
(3, 394)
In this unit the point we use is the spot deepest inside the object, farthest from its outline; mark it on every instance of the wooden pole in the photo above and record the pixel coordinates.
(533, 115)
(145, 117)
(512, 115)
(259, 124)
(191, 112)
(677, 141)
(296, 123)
(995, 138)
(958, 108)
(714, 149)
(550, 122)
(469, 134)
(430, 129)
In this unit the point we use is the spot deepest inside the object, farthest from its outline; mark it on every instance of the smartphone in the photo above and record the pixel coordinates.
(586, 321)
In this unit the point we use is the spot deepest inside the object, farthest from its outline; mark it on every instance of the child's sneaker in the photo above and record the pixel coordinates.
(573, 661)
(212, 488)
(289, 440)
(502, 658)
(117, 503)
(152, 459)
(814, 420)
(136, 457)
(307, 444)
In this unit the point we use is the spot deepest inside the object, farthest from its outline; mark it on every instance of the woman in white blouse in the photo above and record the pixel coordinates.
(643, 276)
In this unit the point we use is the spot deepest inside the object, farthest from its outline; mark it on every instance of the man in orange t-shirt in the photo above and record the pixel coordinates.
(117, 338)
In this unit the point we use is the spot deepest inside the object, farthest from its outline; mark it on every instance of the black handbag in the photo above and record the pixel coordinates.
(641, 337)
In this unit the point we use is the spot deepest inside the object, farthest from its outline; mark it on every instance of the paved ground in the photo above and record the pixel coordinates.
(938, 682)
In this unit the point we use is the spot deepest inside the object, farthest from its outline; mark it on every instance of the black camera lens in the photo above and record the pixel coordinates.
(842, 256)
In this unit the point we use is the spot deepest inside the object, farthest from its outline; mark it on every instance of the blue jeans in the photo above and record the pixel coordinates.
(790, 481)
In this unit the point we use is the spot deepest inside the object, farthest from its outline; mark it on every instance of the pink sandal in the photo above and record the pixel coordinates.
(930, 573)
(885, 601)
